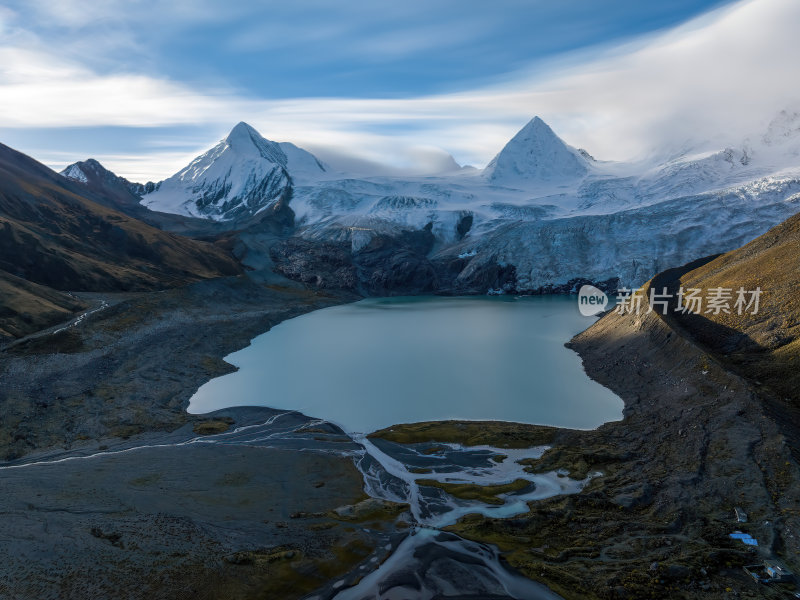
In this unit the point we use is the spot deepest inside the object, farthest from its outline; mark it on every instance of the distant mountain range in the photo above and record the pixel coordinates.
(542, 216)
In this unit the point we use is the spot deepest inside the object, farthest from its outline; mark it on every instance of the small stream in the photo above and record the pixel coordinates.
(430, 563)
(425, 562)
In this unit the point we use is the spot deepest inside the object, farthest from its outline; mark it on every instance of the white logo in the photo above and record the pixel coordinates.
(591, 301)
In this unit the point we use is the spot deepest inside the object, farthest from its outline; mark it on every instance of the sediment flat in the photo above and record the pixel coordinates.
(695, 441)
(132, 367)
(179, 520)
(110, 489)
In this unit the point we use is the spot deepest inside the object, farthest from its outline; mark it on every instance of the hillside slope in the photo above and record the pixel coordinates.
(54, 236)
(764, 344)
(27, 307)
(703, 432)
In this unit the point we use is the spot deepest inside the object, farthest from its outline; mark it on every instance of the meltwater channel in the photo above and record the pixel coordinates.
(380, 362)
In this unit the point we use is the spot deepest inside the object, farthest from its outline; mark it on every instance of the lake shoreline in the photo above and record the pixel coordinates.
(135, 365)
(131, 368)
(82, 403)
(695, 442)
(385, 361)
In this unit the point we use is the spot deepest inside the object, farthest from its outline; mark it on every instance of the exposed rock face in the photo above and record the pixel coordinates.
(325, 265)
(385, 266)
(392, 266)
(401, 263)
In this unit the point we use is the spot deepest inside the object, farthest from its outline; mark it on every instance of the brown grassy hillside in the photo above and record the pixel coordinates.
(765, 346)
(52, 235)
(26, 307)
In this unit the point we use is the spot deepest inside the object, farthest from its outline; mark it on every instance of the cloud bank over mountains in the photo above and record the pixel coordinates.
(713, 80)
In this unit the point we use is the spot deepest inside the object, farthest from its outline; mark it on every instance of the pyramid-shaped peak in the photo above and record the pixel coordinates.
(89, 163)
(536, 153)
(84, 169)
(537, 129)
(92, 171)
(244, 140)
(242, 132)
(537, 121)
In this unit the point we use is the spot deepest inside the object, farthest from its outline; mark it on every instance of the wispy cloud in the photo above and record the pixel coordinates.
(716, 79)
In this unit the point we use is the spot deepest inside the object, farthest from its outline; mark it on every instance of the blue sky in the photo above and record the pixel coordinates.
(143, 85)
(321, 48)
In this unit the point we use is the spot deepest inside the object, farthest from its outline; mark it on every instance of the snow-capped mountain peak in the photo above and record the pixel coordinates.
(87, 170)
(242, 132)
(75, 172)
(240, 176)
(247, 142)
(536, 154)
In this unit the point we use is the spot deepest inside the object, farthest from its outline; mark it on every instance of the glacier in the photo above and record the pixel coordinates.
(541, 216)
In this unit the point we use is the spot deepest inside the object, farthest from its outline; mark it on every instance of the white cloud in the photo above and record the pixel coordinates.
(38, 89)
(716, 78)
(153, 166)
(719, 77)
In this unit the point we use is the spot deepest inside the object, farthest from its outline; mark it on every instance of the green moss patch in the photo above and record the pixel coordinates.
(483, 493)
(213, 426)
(470, 433)
(370, 509)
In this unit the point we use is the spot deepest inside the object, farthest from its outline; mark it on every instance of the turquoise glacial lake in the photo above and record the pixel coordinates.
(383, 361)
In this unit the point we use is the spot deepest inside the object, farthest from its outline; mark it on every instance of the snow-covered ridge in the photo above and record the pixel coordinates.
(536, 153)
(75, 173)
(240, 176)
(557, 214)
(550, 210)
